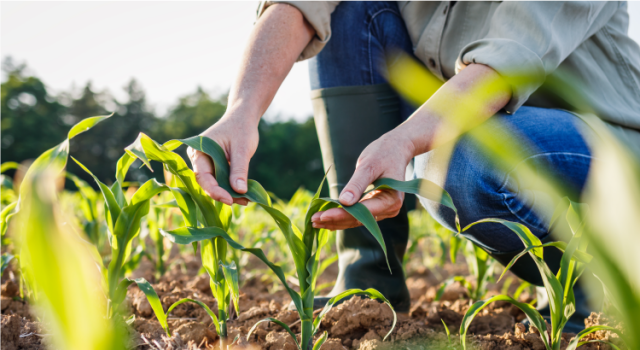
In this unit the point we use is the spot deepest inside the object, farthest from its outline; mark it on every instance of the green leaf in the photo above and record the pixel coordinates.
(5, 216)
(320, 341)
(8, 166)
(146, 149)
(213, 316)
(120, 293)
(85, 125)
(573, 344)
(4, 262)
(455, 243)
(446, 329)
(421, 187)
(280, 323)
(187, 235)
(371, 293)
(255, 191)
(532, 314)
(360, 212)
(109, 199)
(55, 158)
(230, 272)
(126, 229)
(154, 301)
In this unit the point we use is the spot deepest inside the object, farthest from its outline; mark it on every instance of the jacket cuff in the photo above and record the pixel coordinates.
(522, 68)
(318, 14)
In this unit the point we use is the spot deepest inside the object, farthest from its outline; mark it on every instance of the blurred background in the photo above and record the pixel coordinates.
(163, 68)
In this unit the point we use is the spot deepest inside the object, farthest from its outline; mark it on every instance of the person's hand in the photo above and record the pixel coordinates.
(238, 137)
(388, 157)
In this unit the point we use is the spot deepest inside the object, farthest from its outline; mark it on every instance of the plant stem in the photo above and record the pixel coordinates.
(306, 336)
(222, 317)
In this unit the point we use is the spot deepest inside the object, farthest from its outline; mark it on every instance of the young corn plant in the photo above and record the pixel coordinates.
(123, 221)
(199, 212)
(208, 227)
(559, 286)
(58, 266)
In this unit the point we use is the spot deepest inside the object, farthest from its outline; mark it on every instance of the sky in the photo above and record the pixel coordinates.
(171, 48)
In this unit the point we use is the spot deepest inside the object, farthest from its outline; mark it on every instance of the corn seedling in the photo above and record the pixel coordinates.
(123, 220)
(59, 266)
(559, 286)
(209, 229)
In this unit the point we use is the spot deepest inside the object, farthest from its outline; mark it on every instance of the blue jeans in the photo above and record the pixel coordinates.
(362, 35)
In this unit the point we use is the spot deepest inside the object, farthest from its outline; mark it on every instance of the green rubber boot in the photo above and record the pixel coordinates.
(348, 119)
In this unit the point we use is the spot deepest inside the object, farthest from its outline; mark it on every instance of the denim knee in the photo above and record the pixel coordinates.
(551, 142)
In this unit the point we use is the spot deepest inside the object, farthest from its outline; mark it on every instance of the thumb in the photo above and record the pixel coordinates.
(361, 179)
(239, 168)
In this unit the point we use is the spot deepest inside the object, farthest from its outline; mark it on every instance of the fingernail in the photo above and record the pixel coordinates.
(346, 197)
(227, 202)
(316, 217)
(241, 185)
(317, 225)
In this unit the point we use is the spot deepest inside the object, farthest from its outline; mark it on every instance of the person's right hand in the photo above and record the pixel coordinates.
(238, 137)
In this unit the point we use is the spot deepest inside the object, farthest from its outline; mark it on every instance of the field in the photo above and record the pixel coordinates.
(160, 265)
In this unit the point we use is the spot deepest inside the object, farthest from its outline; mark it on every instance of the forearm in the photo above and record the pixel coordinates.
(466, 100)
(277, 39)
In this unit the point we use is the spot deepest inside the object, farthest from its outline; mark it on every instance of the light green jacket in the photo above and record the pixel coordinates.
(554, 54)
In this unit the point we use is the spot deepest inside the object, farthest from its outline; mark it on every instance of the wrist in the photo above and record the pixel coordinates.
(243, 114)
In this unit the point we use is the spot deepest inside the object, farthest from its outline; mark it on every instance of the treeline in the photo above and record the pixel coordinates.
(33, 120)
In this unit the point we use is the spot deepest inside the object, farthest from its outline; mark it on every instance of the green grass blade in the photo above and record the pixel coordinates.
(532, 314)
(280, 323)
(154, 301)
(371, 293)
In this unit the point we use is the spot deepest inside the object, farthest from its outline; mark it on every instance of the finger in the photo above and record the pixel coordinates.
(382, 205)
(239, 169)
(334, 227)
(364, 175)
(203, 170)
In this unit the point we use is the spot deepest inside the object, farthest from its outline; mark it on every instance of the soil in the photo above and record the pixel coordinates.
(355, 324)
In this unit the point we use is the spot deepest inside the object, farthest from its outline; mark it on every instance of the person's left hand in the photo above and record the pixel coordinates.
(388, 157)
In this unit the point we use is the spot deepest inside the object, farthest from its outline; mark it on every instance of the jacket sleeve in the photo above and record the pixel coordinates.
(318, 14)
(528, 40)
